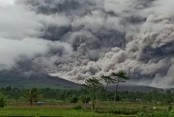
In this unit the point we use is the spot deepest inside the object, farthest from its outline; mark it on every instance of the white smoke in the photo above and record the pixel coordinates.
(6, 3)
(84, 38)
(18, 28)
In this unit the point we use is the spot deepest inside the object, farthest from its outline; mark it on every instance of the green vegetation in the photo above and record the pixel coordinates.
(32, 95)
(62, 109)
(93, 86)
(2, 102)
(91, 100)
(77, 103)
(53, 112)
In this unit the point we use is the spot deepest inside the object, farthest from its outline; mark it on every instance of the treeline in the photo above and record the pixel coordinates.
(68, 95)
(93, 90)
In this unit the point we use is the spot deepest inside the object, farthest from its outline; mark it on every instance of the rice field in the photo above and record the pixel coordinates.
(103, 109)
(46, 112)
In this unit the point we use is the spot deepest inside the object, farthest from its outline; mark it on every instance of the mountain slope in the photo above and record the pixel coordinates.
(136, 88)
(39, 80)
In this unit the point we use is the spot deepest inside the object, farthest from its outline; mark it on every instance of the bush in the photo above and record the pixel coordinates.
(74, 100)
(171, 113)
(77, 107)
(2, 102)
(85, 100)
(160, 114)
(118, 98)
(169, 108)
(154, 114)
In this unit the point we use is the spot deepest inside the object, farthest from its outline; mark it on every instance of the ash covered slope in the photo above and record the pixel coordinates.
(34, 79)
(76, 39)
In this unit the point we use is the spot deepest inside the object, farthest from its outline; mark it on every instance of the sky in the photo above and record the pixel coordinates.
(78, 39)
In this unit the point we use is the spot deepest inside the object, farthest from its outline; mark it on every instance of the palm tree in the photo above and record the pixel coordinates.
(93, 85)
(32, 96)
(108, 80)
(118, 77)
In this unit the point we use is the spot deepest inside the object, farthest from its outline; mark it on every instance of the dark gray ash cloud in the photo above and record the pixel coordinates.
(77, 39)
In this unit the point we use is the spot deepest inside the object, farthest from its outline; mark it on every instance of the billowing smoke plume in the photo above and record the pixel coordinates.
(77, 39)
(20, 35)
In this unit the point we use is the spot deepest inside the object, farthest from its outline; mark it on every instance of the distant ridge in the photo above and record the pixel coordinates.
(42, 80)
(39, 80)
(136, 88)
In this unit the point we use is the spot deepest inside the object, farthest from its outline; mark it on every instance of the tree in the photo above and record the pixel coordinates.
(108, 80)
(32, 96)
(2, 101)
(169, 97)
(118, 77)
(85, 100)
(74, 99)
(93, 85)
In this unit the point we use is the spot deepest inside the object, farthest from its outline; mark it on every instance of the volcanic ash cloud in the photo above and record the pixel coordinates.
(84, 38)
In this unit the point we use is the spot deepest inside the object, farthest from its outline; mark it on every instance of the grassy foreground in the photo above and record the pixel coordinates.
(53, 112)
(103, 109)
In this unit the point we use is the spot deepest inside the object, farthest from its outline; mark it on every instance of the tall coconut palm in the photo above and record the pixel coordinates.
(108, 80)
(93, 85)
(32, 96)
(118, 77)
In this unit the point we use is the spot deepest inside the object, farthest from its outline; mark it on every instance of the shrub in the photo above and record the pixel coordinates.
(118, 98)
(85, 100)
(169, 108)
(74, 100)
(154, 114)
(160, 114)
(78, 107)
(171, 113)
(2, 102)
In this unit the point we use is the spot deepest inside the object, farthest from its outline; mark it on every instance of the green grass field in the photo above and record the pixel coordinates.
(103, 109)
(53, 112)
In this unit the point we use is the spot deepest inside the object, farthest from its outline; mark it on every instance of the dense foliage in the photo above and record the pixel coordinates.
(82, 94)
(95, 96)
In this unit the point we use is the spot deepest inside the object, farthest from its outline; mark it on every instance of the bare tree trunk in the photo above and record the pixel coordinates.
(85, 104)
(93, 105)
(116, 91)
(31, 102)
(107, 93)
(93, 100)
(96, 100)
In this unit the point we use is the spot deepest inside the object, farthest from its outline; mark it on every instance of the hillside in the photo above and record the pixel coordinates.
(136, 88)
(39, 80)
